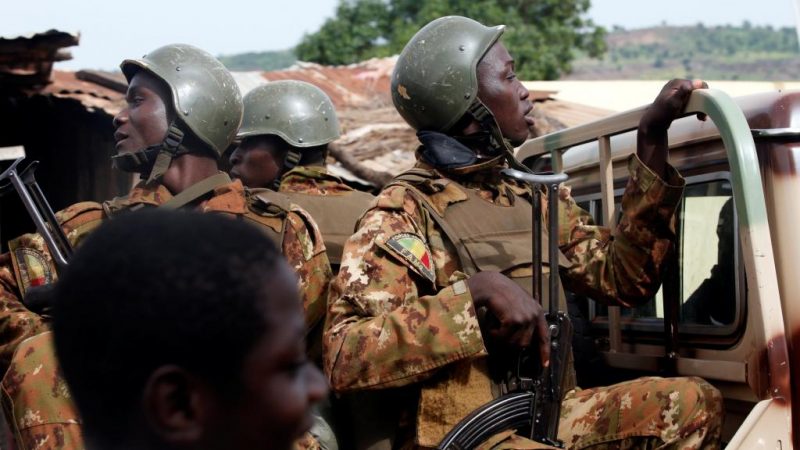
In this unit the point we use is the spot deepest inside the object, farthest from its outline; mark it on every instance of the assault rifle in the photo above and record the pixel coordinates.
(24, 182)
(532, 405)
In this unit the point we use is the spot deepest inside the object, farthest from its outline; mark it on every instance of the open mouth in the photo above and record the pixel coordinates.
(119, 138)
(528, 117)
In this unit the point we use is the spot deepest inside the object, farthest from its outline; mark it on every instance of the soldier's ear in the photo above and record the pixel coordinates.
(176, 405)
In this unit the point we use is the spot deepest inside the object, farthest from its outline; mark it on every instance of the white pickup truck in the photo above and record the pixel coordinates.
(729, 308)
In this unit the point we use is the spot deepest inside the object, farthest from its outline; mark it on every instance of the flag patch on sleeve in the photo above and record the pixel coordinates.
(414, 251)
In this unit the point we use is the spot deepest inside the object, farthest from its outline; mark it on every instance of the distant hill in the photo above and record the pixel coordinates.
(715, 53)
(263, 61)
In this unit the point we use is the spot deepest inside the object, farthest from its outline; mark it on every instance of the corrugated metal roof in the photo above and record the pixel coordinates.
(26, 61)
(26, 67)
(93, 96)
(42, 35)
(357, 85)
(247, 81)
(376, 143)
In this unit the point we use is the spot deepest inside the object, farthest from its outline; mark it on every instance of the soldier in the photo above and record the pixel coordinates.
(285, 133)
(183, 110)
(451, 238)
(188, 336)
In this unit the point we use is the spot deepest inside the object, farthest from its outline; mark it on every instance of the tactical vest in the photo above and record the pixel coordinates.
(265, 207)
(486, 236)
(269, 210)
(335, 215)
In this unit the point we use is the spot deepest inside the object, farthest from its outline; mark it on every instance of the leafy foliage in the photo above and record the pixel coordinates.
(542, 35)
(270, 60)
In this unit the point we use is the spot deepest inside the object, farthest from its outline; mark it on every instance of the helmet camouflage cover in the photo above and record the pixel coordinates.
(298, 112)
(435, 80)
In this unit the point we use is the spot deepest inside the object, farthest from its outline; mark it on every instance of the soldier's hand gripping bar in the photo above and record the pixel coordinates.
(39, 209)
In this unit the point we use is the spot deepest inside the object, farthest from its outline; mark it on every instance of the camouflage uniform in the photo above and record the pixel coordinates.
(307, 186)
(335, 207)
(395, 322)
(35, 396)
(312, 180)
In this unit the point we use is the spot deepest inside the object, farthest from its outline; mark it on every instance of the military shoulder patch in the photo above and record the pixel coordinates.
(412, 249)
(32, 266)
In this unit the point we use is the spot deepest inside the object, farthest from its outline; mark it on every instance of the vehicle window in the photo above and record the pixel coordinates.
(709, 287)
(708, 282)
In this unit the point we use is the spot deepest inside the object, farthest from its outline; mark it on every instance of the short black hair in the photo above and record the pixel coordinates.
(155, 287)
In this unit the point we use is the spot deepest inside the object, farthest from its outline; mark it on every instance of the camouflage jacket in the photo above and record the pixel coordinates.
(334, 205)
(302, 245)
(313, 180)
(389, 326)
(43, 420)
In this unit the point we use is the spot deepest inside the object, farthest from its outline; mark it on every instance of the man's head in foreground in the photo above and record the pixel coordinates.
(184, 330)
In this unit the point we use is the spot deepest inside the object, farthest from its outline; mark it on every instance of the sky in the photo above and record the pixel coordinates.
(113, 30)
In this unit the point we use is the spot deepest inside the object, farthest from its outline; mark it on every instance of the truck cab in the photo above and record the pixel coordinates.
(729, 306)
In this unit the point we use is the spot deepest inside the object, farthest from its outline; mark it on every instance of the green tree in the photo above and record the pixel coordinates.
(543, 35)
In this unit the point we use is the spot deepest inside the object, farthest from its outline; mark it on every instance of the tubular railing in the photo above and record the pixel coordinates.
(748, 194)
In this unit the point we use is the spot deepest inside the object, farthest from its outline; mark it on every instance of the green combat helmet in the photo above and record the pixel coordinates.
(435, 79)
(205, 97)
(298, 112)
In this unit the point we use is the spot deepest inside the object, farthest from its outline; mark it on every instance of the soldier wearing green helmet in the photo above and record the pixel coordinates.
(183, 110)
(205, 105)
(285, 133)
(451, 238)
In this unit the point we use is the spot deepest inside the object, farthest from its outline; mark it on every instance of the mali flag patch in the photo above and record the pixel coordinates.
(412, 249)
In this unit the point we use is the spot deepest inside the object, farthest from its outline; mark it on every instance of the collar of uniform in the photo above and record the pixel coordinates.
(486, 179)
(153, 194)
(485, 168)
(312, 179)
(228, 198)
(439, 147)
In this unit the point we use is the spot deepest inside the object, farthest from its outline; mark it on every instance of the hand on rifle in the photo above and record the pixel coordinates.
(518, 316)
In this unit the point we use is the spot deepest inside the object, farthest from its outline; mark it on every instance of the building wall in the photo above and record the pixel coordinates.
(73, 145)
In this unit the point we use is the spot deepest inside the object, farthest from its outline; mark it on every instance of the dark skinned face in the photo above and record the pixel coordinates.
(145, 119)
(504, 95)
(280, 384)
(255, 163)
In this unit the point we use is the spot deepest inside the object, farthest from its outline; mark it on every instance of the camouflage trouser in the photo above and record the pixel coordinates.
(647, 413)
(37, 401)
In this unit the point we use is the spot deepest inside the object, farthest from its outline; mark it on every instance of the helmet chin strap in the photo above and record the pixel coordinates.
(486, 119)
(137, 162)
(154, 159)
(291, 161)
